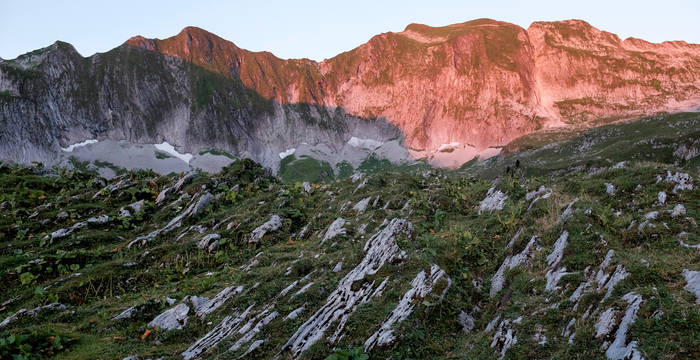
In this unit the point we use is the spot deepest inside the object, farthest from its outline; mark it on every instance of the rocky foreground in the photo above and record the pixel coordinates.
(594, 258)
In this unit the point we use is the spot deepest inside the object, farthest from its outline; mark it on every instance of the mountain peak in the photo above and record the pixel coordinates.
(185, 40)
(197, 32)
(449, 31)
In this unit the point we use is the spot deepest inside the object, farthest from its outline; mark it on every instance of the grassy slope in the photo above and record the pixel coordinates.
(449, 232)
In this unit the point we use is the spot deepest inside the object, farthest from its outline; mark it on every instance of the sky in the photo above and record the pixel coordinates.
(314, 29)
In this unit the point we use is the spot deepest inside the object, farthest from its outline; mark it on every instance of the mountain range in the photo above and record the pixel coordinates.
(572, 233)
(456, 91)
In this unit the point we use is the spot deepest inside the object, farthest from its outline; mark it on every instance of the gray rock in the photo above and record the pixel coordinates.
(123, 183)
(202, 204)
(163, 194)
(126, 314)
(681, 181)
(254, 346)
(617, 276)
(335, 229)
(227, 327)
(556, 255)
(540, 194)
(273, 224)
(209, 242)
(539, 335)
(294, 314)
(171, 319)
(568, 211)
(421, 286)
(31, 313)
(609, 189)
(341, 303)
(620, 349)
(505, 336)
(63, 215)
(511, 262)
(102, 219)
(124, 213)
(692, 278)
(249, 331)
(58, 234)
(357, 176)
(662, 197)
(185, 180)
(678, 210)
(203, 306)
(193, 209)
(606, 323)
(361, 186)
(136, 206)
(494, 200)
(466, 320)
(361, 205)
(61, 233)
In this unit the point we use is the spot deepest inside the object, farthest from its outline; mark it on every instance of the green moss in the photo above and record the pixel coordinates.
(17, 72)
(218, 153)
(161, 155)
(106, 164)
(345, 169)
(6, 95)
(373, 164)
(305, 169)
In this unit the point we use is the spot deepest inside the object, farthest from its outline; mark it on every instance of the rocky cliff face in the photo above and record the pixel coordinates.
(481, 83)
(54, 97)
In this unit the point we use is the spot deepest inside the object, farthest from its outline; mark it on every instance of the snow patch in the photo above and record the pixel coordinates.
(80, 144)
(287, 152)
(164, 146)
(364, 143)
(451, 145)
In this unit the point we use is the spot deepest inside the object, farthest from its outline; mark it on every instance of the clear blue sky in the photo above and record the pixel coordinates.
(314, 29)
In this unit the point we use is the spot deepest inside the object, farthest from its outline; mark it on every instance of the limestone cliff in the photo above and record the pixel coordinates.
(481, 83)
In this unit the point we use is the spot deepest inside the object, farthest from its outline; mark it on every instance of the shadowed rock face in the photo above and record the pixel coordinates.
(481, 83)
(54, 97)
